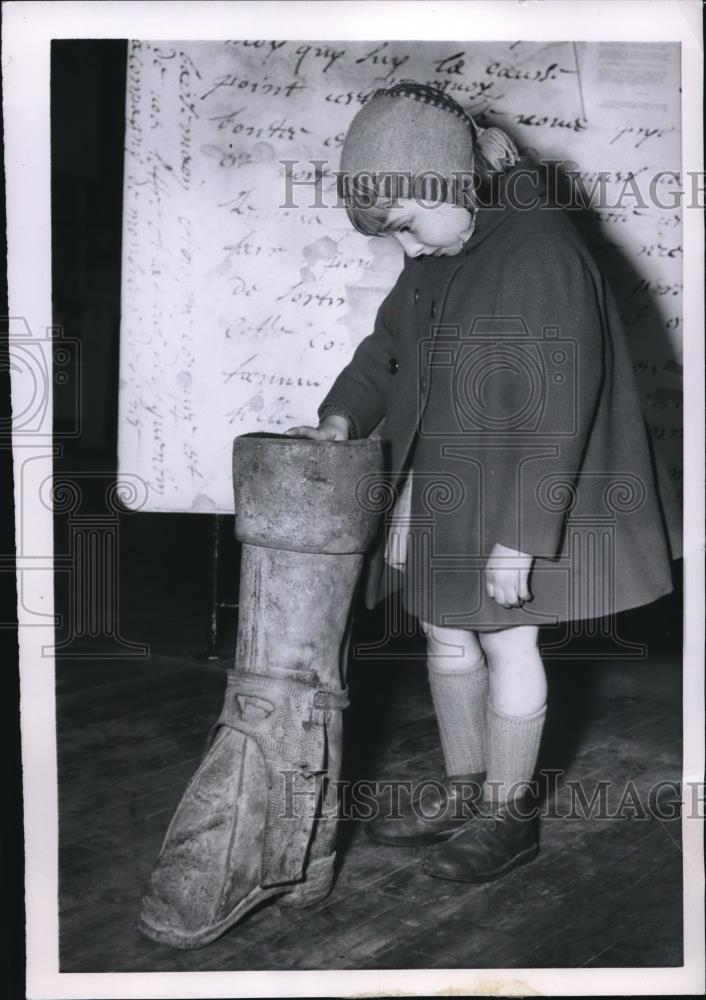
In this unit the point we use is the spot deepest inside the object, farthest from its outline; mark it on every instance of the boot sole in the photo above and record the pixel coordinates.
(474, 878)
(416, 840)
(292, 896)
(316, 887)
(176, 938)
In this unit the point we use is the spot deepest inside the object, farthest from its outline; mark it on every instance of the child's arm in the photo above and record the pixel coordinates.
(357, 400)
(545, 281)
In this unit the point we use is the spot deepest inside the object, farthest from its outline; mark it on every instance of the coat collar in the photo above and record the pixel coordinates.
(504, 196)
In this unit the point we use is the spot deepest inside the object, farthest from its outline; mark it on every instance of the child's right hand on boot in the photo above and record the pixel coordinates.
(332, 428)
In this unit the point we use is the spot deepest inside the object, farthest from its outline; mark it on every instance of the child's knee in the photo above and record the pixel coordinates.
(501, 643)
(452, 644)
(516, 675)
(437, 633)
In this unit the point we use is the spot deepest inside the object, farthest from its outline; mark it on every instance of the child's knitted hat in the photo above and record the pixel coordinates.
(414, 141)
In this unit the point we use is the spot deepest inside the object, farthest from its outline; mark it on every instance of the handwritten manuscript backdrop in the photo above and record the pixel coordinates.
(237, 313)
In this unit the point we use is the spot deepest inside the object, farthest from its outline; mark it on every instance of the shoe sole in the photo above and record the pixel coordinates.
(523, 858)
(419, 840)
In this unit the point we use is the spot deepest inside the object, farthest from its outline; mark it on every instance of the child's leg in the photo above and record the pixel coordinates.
(516, 707)
(458, 677)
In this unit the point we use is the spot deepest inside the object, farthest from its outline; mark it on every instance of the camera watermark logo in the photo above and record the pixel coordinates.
(501, 379)
(87, 557)
(41, 367)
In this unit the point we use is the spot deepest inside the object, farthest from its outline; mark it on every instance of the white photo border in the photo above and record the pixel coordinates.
(29, 28)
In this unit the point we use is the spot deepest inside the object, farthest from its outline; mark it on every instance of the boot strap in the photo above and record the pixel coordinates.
(287, 719)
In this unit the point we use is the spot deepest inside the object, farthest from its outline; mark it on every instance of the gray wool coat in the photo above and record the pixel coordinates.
(502, 377)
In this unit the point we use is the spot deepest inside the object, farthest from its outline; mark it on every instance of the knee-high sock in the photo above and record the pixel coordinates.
(460, 698)
(513, 748)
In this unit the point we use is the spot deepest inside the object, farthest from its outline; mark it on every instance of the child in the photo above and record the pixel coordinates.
(527, 491)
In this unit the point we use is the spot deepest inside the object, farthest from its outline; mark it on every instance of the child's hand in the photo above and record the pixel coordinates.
(506, 574)
(331, 428)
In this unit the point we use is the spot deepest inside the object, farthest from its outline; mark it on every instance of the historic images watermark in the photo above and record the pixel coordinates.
(546, 797)
(554, 184)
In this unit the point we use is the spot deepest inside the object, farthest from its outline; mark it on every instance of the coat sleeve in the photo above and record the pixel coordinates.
(360, 390)
(544, 395)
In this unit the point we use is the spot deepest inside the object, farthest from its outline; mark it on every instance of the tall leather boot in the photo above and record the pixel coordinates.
(258, 819)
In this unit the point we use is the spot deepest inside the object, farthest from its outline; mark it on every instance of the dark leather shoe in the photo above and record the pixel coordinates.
(433, 811)
(500, 839)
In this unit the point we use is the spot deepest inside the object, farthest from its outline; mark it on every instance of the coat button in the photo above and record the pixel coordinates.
(432, 311)
(416, 296)
(393, 366)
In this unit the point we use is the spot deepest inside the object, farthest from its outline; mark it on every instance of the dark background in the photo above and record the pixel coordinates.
(87, 114)
(88, 125)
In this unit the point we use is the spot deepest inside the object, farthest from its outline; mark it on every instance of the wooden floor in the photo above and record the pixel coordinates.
(603, 892)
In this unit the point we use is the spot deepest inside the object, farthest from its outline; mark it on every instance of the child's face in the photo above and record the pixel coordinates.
(428, 228)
